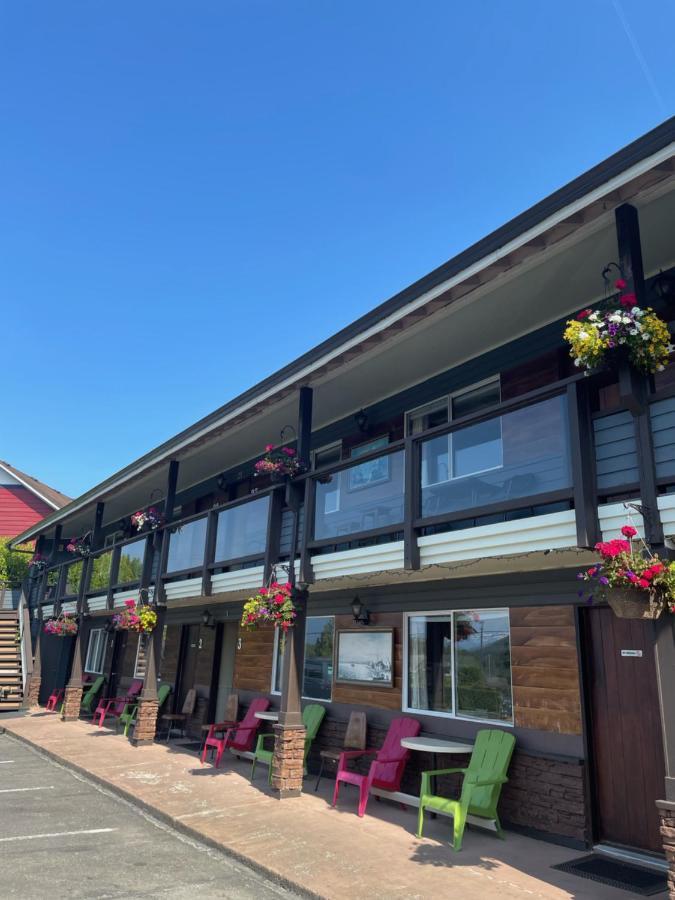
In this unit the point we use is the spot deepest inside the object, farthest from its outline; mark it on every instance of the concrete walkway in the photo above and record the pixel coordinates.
(304, 842)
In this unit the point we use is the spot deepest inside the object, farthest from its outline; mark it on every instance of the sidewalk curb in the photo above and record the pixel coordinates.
(168, 820)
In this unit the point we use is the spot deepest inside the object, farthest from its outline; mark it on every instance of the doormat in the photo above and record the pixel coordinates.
(617, 874)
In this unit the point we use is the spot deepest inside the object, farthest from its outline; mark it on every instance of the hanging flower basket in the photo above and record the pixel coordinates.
(79, 546)
(135, 617)
(634, 582)
(279, 463)
(147, 518)
(270, 605)
(597, 336)
(631, 603)
(64, 625)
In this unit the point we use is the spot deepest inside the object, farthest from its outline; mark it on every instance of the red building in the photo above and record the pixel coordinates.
(24, 500)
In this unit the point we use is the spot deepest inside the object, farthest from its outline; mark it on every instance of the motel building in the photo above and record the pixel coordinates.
(459, 469)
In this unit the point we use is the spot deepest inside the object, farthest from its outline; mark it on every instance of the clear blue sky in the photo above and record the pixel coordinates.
(193, 193)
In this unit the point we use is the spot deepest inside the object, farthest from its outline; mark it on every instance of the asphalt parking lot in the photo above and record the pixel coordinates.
(63, 836)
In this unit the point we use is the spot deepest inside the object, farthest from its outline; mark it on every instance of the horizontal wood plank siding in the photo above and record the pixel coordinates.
(253, 662)
(663, 429)
(615, 450)
(545, 669)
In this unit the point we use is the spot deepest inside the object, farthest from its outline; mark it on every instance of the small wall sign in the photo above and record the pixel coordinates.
(631, 652)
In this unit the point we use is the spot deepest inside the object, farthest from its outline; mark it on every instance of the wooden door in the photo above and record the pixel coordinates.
(627, 769)
(189, 651)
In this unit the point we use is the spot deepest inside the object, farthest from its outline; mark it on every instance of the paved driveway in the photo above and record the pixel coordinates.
(62, 836)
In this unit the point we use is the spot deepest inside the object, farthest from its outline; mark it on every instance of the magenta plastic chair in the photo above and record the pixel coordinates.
(240, 736)
(386, 770)
(114, 706)
(55, 698)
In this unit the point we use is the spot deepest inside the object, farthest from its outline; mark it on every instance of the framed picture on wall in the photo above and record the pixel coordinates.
(365, 656)
(374, 470)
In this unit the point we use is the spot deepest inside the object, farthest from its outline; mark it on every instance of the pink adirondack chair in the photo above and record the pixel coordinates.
(240, 736)
(55, 698)
(386, 770)
(114, 706)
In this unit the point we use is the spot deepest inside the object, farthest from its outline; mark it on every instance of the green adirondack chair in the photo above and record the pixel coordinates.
(481, 787)
(312, 717)
(90, 695)
(128, 716)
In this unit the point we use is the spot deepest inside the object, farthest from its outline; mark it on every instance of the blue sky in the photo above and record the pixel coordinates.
(193, 193)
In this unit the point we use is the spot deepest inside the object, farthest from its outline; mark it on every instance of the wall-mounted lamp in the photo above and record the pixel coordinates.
(360, 613)
(361, 420)
(221, 482)
(664, 285)
(207, 619)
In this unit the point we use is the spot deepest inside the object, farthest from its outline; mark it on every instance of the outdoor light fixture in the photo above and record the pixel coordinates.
(207, 619)
(360, 613)
(361, 420)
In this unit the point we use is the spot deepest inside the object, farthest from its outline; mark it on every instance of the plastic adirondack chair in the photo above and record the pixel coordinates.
(114, 706)
(239, 736)
(90, 694)
(55, 698)
(128, 716)
(481, 787)
(312, 717)
(386, 770)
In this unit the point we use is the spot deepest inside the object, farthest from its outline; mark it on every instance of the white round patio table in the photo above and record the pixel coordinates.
(435, 746)
(268, 716)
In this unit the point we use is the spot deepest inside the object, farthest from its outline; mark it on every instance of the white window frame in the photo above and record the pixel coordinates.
(110, 540)
(100, 640)
(336, 445)
(439, 713)
(137, 674)
(275, 663)
(493, 379)
(431, 406)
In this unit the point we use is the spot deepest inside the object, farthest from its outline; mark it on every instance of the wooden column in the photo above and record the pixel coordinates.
(145, 728)
(32, 696)
(169, 505)
(73, 693)
(209, 551)
(582, 455)
(273, 533)
(289, 732)
(665, 674)
(633, 386)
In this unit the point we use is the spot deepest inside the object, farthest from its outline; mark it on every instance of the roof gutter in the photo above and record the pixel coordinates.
(655, 147)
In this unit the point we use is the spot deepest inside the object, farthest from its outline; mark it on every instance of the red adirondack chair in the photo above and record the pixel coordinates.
(55, 698)
(240, 736)
(386, 770)
(114, 706)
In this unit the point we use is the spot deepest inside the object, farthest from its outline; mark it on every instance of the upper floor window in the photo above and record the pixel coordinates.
(95, 652)
(327, 456)
(131, 562)
(459, 664)
(317, 681)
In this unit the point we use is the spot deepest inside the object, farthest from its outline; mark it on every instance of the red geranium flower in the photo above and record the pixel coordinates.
(628, 531)
(584, 314)
(620, 284)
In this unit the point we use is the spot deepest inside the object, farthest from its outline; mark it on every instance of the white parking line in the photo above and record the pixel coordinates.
(16, 790)
(4, 762)
(54, 834)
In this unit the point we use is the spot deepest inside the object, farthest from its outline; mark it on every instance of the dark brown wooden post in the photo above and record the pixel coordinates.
(582, 457)
(145, 728)
(633, 386)
(289, 732)
(411, 550)
(169, 506)
(273, 533)
(306, 571)
(114, 573)
(33, 692)
(73, 693)
(209, 551)
(665, 674)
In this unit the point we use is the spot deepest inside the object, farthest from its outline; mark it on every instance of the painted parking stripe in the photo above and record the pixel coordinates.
(6, 762)
(54, 834)
(49, 787)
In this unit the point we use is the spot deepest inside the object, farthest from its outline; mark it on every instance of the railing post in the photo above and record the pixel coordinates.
(306, 571)
(60, 588)
(114, 574)
(209, 551)
(411, 505)
(273, 542)
(169, 505)
(582, 458)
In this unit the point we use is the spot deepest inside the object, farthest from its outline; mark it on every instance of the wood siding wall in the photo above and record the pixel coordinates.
(545, 669)
(545, 672)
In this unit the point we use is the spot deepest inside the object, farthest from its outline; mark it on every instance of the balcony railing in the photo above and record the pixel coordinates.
(540, 452)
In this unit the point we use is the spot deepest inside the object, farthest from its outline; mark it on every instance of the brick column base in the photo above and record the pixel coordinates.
(288, 761)
(30, 700)
(146, 722)
(71, 704)
(667, 813)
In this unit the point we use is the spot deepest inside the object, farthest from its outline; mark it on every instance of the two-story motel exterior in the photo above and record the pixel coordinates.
(460, 468)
